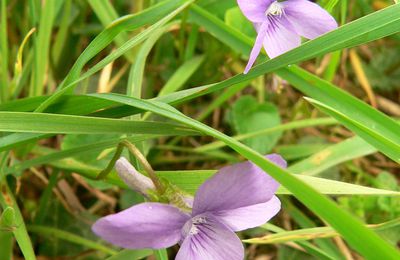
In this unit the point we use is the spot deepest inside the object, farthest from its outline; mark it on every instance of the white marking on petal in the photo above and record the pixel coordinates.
(275, 9)
(191, 226)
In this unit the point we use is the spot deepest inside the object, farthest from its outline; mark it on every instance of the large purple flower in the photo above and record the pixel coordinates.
(236, 198)
(280, 25)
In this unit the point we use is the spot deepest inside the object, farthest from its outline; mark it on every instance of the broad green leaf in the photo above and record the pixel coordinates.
(247, 115)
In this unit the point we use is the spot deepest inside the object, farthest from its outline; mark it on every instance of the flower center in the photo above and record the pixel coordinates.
(191, 226)
(275, 8)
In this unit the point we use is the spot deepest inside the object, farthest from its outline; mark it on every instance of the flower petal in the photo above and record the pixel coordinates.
(249, 217)
(146, 225)
(281, 37)
(254, 10)
(211, 241)
(308, 19)
(262, 31)
(236, 186)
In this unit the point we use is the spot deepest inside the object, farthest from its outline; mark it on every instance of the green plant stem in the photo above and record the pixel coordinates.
(53, 232)
(7, 199)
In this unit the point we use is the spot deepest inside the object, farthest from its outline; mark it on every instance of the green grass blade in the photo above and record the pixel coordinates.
(51, 123)
(136, 74)
(6, 242)
(283, 127)
(41, 49)
(333, 155)
(161, 254)
(4, 80)
(309, 247)
(373, 134)
(312, 233)
(131, 254)
(181, 75)
(106, 13)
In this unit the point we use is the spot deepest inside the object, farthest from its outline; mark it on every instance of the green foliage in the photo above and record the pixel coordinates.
(384, 69)
(184, 55)
(247, 115)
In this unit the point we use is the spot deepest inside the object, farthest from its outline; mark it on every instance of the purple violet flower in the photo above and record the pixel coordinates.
(280, 24)
(236, 198)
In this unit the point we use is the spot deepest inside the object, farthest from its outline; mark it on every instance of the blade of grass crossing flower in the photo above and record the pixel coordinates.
(186, 180)
(161, 254)
(310, 248)
(371, 247)
(318, 89)
(304, 221)
(7, 199)
(312, 233)
(371, 27)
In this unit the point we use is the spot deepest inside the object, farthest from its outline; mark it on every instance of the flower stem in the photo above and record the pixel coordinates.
(140, 157)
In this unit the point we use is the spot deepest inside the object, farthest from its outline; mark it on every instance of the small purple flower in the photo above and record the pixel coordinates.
(280, 24)
(236, 198)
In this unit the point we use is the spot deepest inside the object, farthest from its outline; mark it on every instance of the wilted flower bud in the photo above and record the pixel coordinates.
(134, 179)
